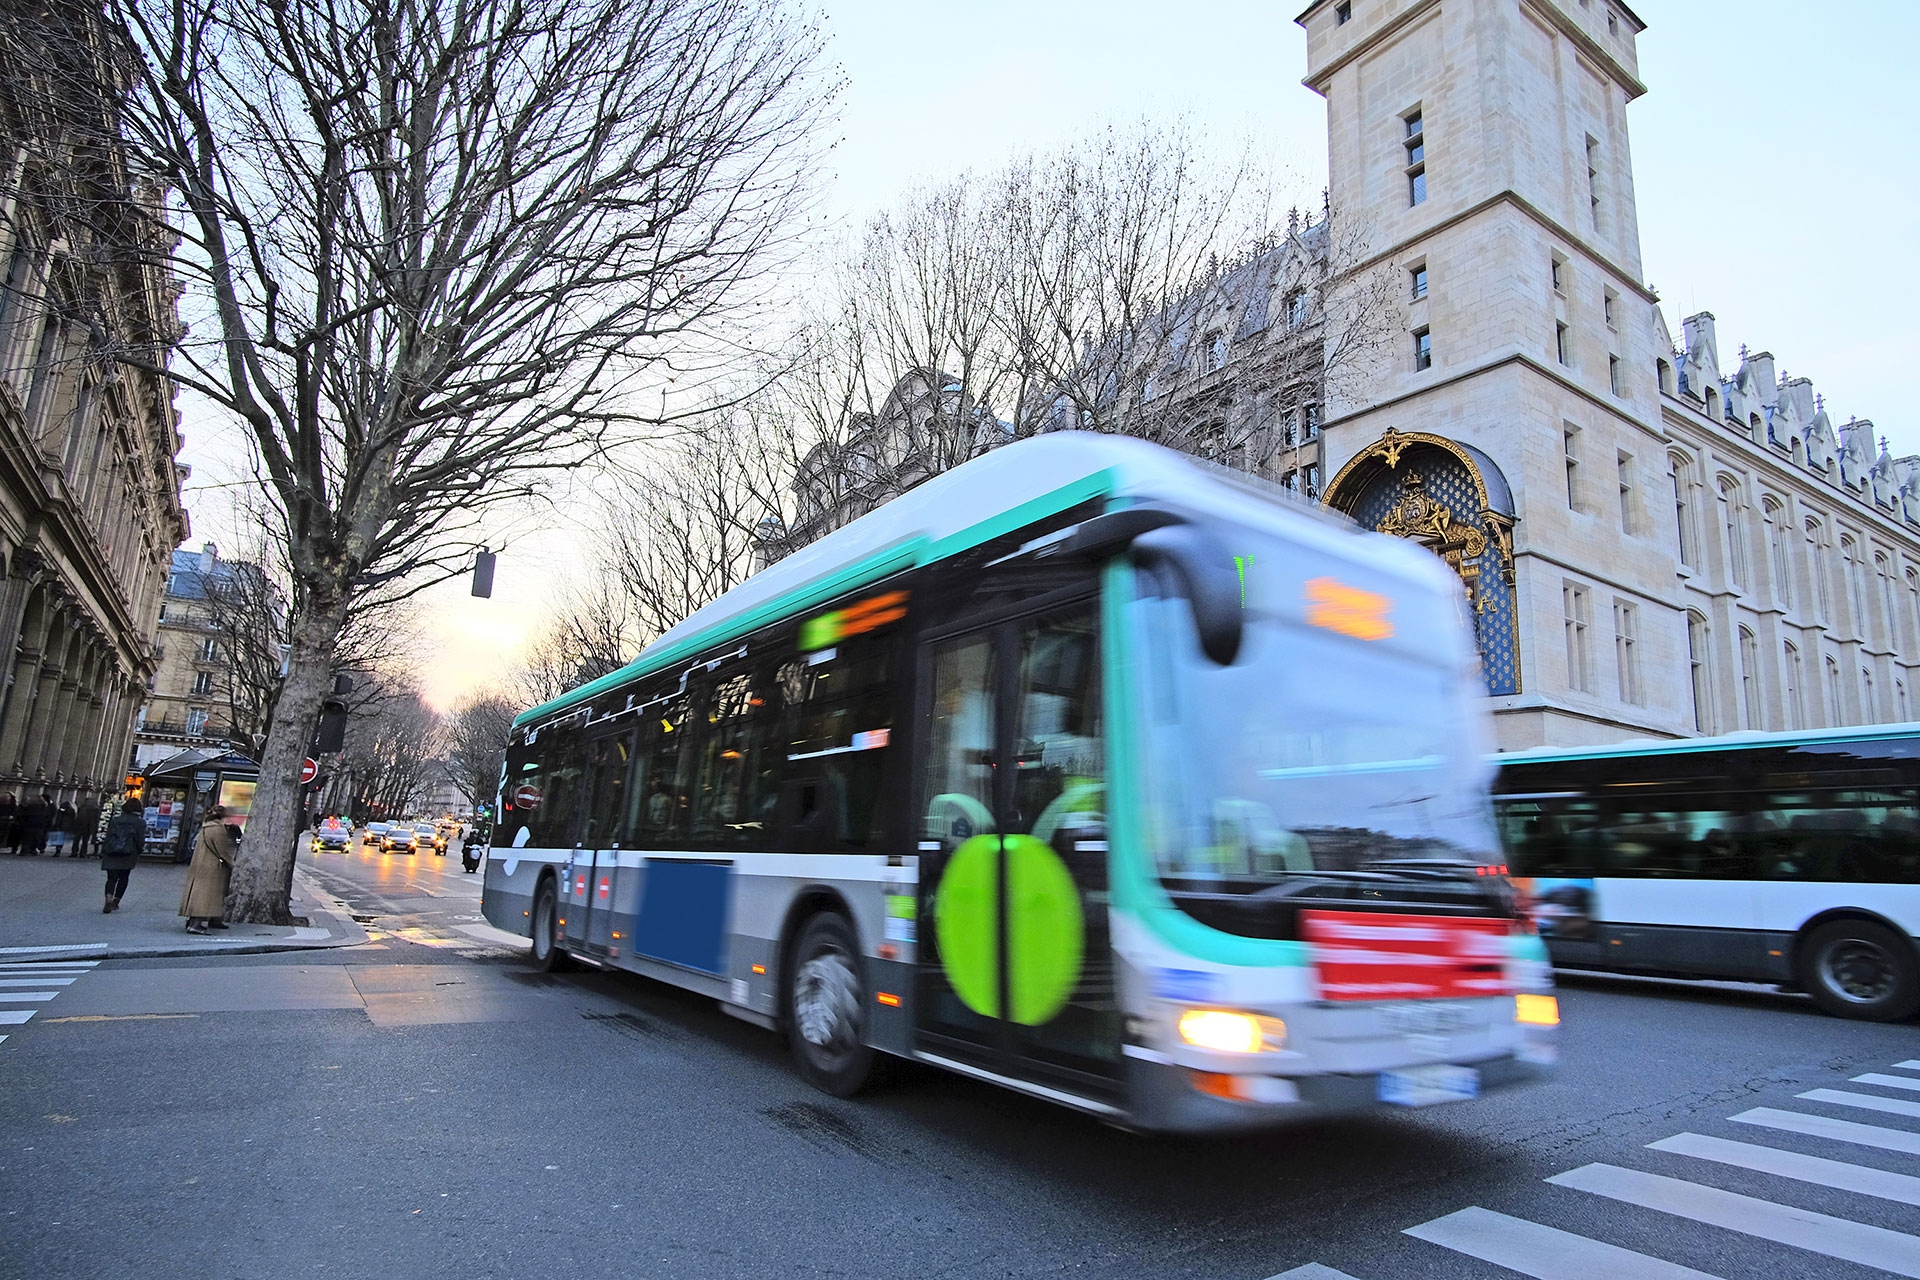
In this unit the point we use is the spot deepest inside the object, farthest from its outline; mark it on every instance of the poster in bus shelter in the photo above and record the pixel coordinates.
(1560, 908)
(238, 797)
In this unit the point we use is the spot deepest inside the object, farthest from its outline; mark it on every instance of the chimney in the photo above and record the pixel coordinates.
(1697, 332)
(208, 554)
(1765, 378)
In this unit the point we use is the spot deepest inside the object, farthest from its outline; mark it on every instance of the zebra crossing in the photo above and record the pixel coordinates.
(26, 986)
(1845, 1145)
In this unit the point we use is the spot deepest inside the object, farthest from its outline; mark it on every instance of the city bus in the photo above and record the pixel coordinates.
(1086, 769)
(1789, 858)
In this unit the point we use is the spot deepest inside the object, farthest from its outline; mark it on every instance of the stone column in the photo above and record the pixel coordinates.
(82, 709)
(23, 693)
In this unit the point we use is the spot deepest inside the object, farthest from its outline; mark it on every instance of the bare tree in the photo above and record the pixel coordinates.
(392, 756)
(475, 734)
(432, 254)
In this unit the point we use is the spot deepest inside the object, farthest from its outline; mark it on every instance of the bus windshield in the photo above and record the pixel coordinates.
(1313, 754)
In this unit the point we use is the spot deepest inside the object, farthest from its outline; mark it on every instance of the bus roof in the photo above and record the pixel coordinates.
(1745, 740)
(991, 495)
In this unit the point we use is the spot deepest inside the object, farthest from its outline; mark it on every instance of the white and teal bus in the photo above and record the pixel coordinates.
(1791, 858)
(1085, 768)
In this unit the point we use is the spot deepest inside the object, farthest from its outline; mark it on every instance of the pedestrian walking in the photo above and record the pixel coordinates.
(86, 822)
(10, 822)
(36, 816)
(61, 834)
(120, 850)
(204, 900)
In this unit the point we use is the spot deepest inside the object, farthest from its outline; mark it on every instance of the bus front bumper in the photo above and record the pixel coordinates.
(1169, 1098)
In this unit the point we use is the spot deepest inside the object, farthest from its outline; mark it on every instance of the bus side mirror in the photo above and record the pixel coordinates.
(1207, 578)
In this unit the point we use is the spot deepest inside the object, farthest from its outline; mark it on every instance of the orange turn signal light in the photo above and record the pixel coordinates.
(887, 998)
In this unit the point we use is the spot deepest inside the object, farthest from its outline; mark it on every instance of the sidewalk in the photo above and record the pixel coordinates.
(50, 910)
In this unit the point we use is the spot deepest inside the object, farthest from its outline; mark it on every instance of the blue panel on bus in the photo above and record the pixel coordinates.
(683, 913)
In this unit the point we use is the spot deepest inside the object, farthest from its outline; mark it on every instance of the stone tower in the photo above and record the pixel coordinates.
(1511, 422)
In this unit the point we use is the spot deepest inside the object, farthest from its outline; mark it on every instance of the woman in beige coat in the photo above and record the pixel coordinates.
(204, 900)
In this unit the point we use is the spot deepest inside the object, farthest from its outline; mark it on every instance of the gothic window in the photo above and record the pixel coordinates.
(1817, 571)
(1855, 576)
(1298, 309)
(1663, 374)
(1577, 607)
(1796, 706)
(1749, 680)
(1779, 566)
(1736, 543)
(1626, 649)
(1624, 466)
(1834, 715)
(1701, 675)
(1683, 509)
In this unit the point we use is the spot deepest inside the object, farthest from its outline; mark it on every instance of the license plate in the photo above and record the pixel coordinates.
(1425, 1086)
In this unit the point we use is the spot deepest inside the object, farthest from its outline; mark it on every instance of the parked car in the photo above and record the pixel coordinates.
(332, 835)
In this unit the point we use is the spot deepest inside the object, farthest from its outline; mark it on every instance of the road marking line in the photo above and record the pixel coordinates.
(1865, 1135)
(1865, 1101)
(14, 1017)
(1312, 1271)
(1546, 1253)
(1850, 1241)
(28, 953)
(118, 1017)
(50, 966)
(1911, 1064)
(28, 995)
(36, 982)
(1887, 1081)
(1791, 1164)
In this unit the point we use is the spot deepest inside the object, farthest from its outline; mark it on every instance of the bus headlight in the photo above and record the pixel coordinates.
(1536, 1010)
(1229, 1032)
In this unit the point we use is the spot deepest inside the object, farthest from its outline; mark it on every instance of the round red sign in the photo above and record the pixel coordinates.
(526, 796)
(309, 770)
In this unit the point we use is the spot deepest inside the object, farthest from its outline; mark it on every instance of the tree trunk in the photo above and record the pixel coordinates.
(263, 873)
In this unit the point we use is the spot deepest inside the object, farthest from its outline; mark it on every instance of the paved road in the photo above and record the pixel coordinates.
(427, 1106)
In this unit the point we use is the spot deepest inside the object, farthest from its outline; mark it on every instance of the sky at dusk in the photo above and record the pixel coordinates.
(1770, 166)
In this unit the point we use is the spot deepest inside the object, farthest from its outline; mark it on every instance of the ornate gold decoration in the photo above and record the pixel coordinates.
(1391, 446)
(1418, 517)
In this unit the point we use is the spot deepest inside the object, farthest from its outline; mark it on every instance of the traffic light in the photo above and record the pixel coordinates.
(483, 573)
(333, 718)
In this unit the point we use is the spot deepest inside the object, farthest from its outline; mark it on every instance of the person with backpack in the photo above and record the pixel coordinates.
(120, 850)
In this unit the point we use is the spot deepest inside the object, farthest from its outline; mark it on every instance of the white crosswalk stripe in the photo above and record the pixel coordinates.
(1865, 1135)
(1865, 1101)
(1792, 1164)
(35, 982)
(1536, 1249)
(1545, 1253)
(1786, 1224)
(1886, 1081)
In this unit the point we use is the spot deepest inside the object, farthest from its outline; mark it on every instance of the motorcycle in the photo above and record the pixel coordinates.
(472, 854)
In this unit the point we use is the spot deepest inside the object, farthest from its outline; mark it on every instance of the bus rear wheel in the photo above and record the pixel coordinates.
(826, 1006)
(547, 954)
(1860, 969)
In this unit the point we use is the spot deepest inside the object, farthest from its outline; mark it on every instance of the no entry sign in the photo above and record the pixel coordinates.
(309, 770)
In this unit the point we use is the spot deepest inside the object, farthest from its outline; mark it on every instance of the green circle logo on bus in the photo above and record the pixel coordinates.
(1048, 940)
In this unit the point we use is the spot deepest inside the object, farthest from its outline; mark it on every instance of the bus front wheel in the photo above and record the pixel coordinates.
(1860, 969)
(826, 1005)
(547, 954)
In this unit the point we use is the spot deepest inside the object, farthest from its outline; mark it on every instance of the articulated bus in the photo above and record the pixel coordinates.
(1790, 858)
(1086, 769)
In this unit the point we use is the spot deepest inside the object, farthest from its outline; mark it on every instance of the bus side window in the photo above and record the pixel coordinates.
(562, 761)
(833, 797)
(659, 792)
(1843, 835)
(738, 745)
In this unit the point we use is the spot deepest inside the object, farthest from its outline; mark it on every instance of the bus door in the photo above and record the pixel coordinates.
(594, 870)
(1016, 968)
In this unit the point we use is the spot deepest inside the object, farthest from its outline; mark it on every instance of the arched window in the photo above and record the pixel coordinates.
(1749, 681)
(1683, 508)
(1663, 372)
(1817, 572)
(1855, 575)
(1736, 542)
(1913, 612)
(1713, 404)
(1796, 705)
(1889, 609)
(1835, 715)
(1869, 708)
(1697, 640)
(1779, 566)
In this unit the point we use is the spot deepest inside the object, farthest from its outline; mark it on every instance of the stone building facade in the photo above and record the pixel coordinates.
(209, 658)
(1651, 546)
(90, 504)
